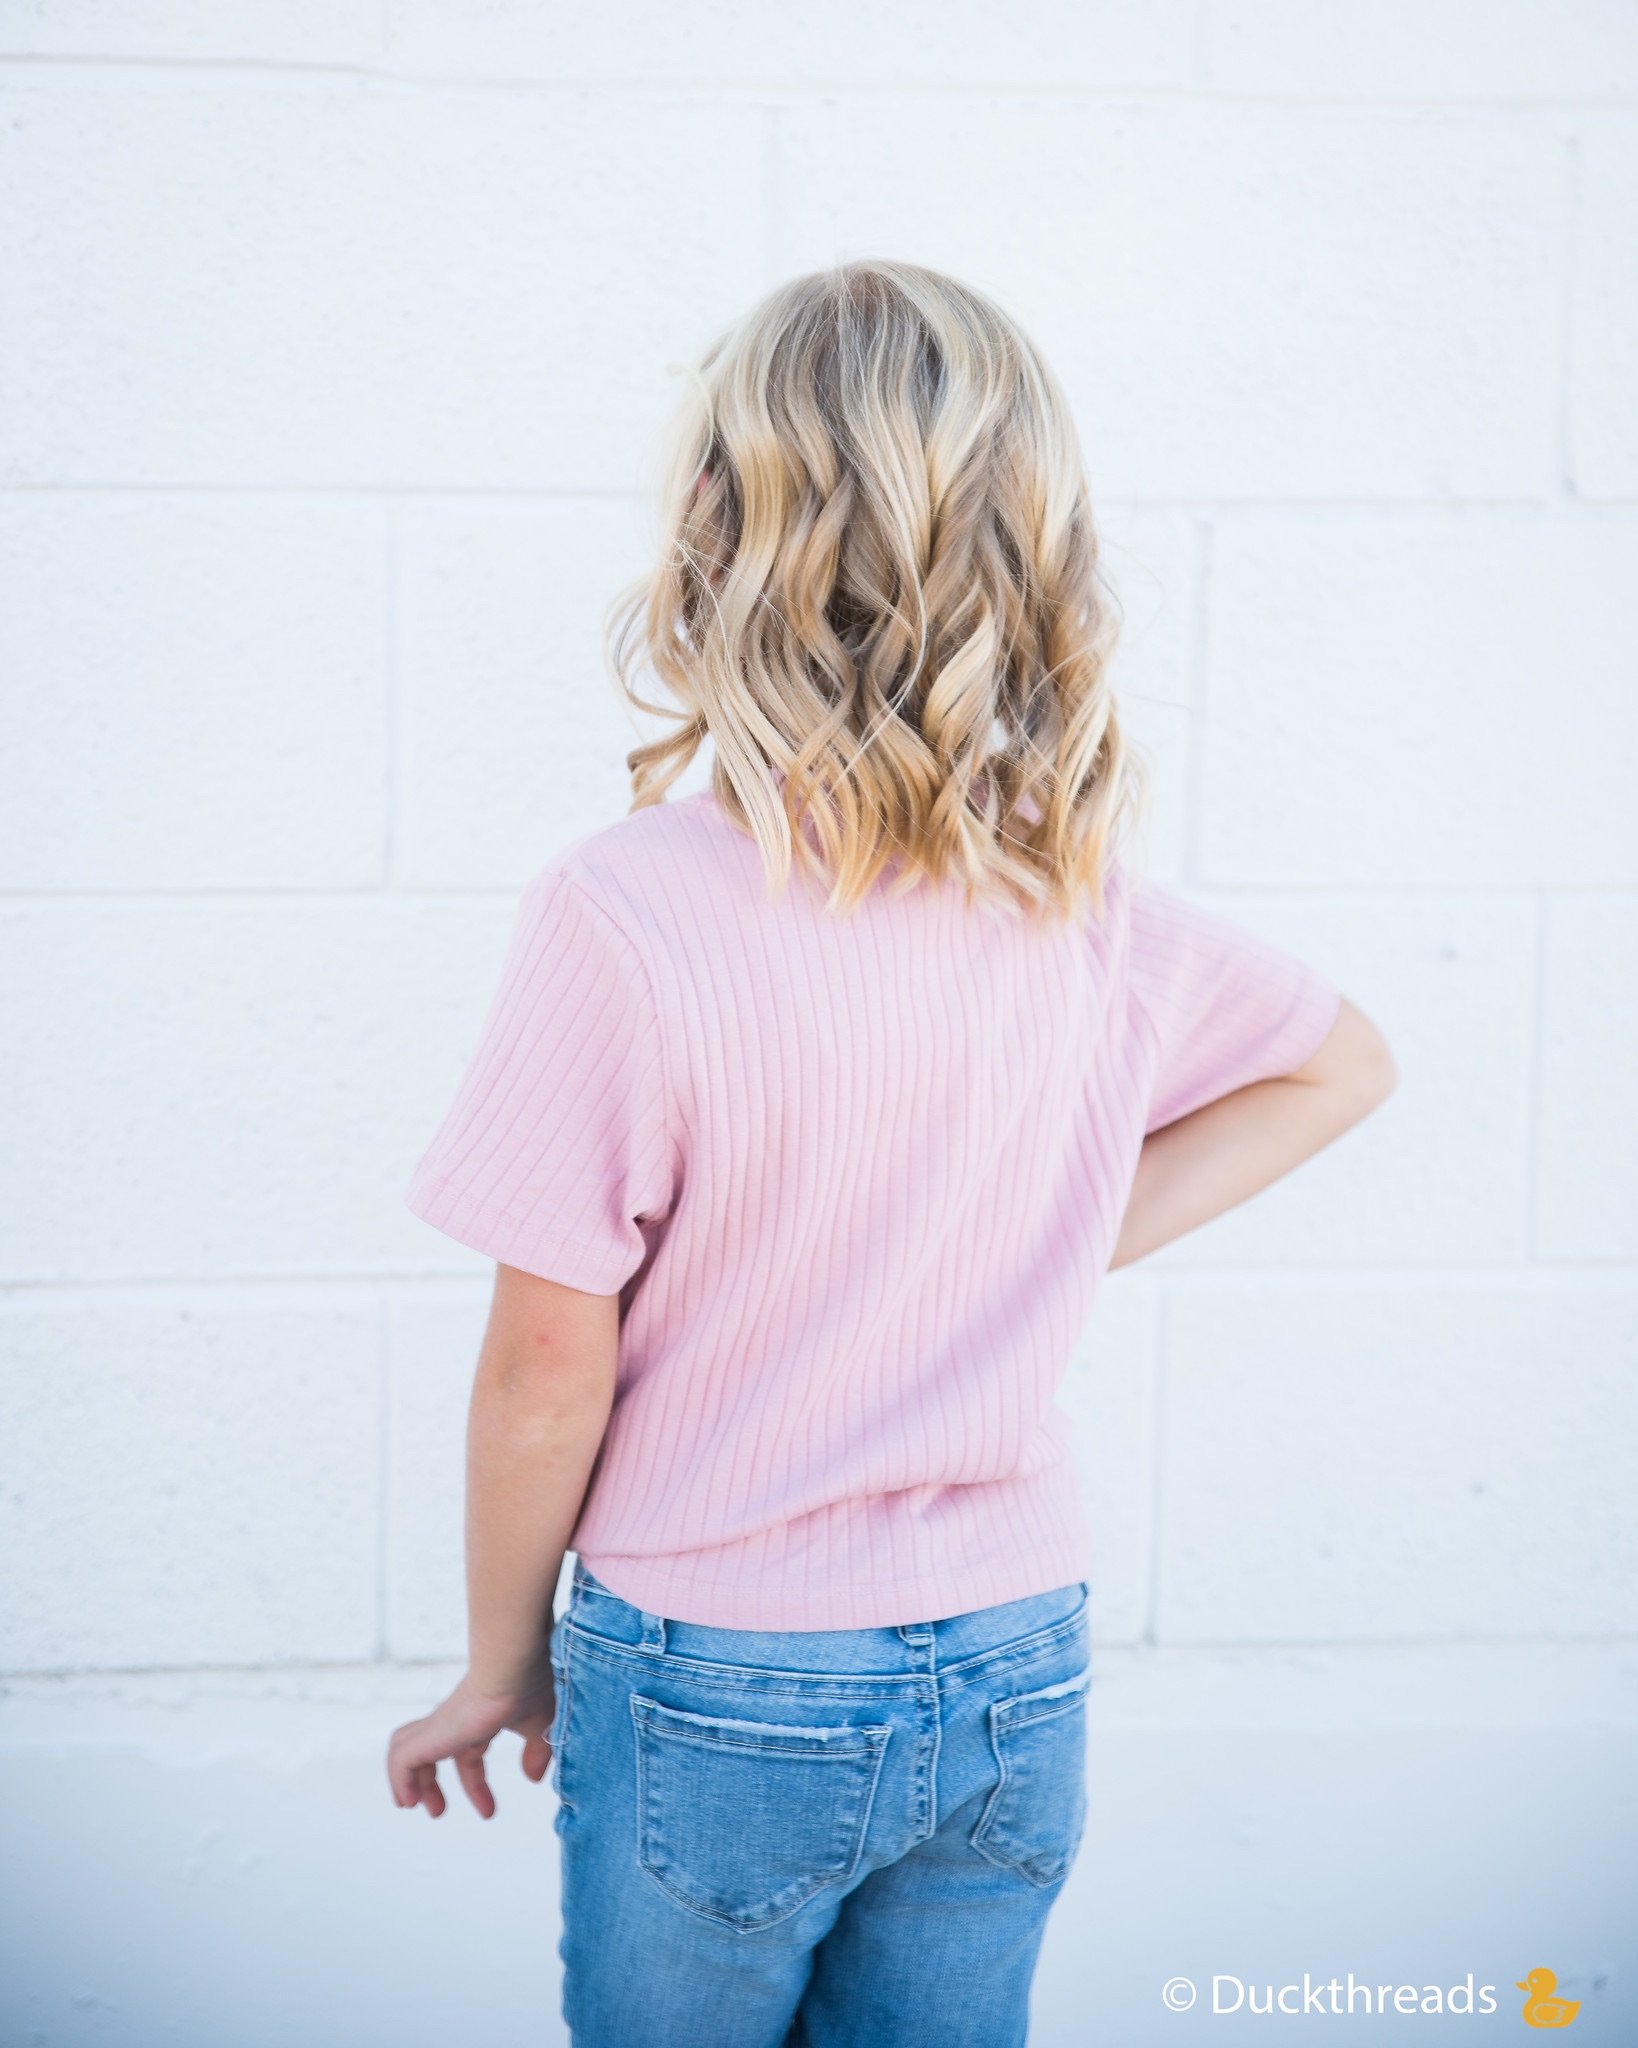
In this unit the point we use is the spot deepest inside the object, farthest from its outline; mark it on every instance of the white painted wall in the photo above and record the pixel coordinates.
(332, 351)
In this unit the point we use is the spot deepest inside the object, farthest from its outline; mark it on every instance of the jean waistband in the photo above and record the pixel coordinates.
(919, 1645)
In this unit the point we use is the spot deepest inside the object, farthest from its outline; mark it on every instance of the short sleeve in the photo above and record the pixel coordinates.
(1227, 1007)
(555, 1149)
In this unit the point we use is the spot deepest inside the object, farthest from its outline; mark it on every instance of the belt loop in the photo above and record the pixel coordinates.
(653, 1636)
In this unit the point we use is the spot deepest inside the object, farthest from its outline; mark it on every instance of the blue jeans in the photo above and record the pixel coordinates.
(833, 1838)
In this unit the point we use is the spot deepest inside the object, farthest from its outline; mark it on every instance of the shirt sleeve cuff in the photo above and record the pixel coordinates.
(1309, 1024)
(514, 1240)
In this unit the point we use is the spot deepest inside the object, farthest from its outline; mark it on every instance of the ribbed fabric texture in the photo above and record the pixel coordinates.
(858, 1179)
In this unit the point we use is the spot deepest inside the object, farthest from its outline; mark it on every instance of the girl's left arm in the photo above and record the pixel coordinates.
(1221, 1154)
(541, 1399)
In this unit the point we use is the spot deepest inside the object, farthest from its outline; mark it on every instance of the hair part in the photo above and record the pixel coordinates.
(879, 597)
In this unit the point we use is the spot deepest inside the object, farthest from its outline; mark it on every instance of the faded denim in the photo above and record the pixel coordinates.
(830, 1838)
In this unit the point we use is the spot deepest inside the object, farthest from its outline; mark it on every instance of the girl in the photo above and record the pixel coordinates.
(808, 1115)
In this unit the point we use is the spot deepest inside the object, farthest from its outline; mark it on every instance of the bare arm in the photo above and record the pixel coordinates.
(1223, 1153)
(541, 1398)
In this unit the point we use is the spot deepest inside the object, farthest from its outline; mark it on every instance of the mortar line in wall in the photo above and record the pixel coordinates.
(383, 1477)
(1194, 752)
(353, 896)
(1157, 1425)
(1133, 95)
(388, 493)
(364, 1286)
(1465, 1274)
(1492, 891)
(1343, 506)
(773, 195)
(1286, 1645)
(1200, 47)
(189, 67)
(1569, 273)
(1534, 1105)
(393, 766)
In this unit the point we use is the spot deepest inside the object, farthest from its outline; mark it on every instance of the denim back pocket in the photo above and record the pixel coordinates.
(562, 1682)
(1032, 1821)
(745, 1821)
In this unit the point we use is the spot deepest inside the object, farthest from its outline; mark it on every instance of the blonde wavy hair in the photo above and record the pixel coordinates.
(878, 596)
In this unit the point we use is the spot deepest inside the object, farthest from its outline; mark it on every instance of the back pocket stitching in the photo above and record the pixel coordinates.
(563, 1686)
(1004, 1716)
(867, 1744)
(1054, 1699)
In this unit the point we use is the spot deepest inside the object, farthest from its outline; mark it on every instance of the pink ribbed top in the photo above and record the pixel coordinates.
(857, 1179)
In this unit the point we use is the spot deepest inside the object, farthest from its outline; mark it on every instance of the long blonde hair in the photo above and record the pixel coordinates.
(879, 597)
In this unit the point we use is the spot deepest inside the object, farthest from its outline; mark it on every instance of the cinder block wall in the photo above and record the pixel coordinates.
(333, 349)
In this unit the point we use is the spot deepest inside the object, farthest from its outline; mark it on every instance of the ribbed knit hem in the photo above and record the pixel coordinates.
(658, 1587)
(511, 1240)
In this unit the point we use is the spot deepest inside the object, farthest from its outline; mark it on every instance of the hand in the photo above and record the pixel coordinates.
(462, 1728)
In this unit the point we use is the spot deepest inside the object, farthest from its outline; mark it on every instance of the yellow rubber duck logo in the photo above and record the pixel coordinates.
(1542, 2006)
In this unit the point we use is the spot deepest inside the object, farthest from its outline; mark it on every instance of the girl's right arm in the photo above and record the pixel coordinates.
(1220, 1155)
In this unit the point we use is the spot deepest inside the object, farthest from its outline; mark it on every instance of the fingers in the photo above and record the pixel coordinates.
(428, 1792)
(417, 1748)
(401, 1765)
(412, 1775)
(537, 1751)
(469, 1766)
(416, 1785)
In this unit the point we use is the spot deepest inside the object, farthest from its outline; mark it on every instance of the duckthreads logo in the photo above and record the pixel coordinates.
(1335, 1996)
(1542, 2006)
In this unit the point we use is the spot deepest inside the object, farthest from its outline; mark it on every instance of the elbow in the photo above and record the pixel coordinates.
(1372, 1073)
(1355, 1067)
(1381, 1077)
(536, 1375)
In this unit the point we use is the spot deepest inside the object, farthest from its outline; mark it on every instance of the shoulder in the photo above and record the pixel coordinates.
(625, 868)
(1166, 927)
(1164, 940)
(632, 850)
(1148, 902)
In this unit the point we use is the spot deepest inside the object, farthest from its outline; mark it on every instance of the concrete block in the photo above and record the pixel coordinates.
(1587, 1172)
(190, 1480)
(196, 692)
(1150, 558)
(284, 31)
(1603, 432)
(1440, 1174)
(807, 43)
(1423, 700)
(1245, 301)
(226, 1090)
(1109, 1393)
(512, 738)
(264, 282)
(1422, 49)
(1404, 1460)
